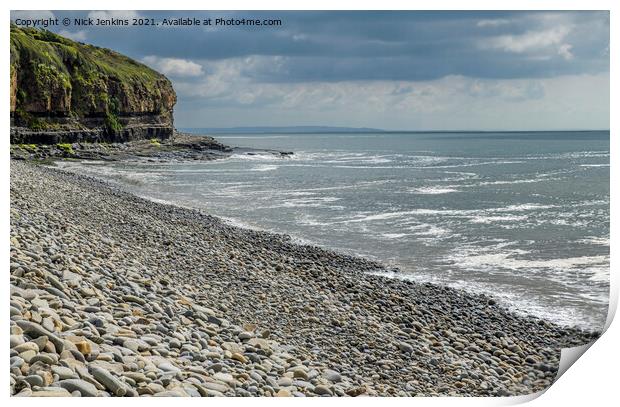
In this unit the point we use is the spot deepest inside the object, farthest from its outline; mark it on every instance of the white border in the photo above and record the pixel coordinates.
(593, 379)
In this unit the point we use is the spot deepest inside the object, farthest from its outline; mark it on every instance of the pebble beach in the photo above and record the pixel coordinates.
(115, 295)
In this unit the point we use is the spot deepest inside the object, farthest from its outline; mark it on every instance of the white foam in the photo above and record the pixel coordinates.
(266, 167)
(307, 202)
(461, 176)
(465, 213)
(522, 207)
(427, 231)
(571, 155)
(359, 159)
(356, 185)
(437, 190)
(394, 235)
(497, 219)
(496, 257)
(510, 182)
(253, 157)
(306, 219)
(474, 164)
(595, 240)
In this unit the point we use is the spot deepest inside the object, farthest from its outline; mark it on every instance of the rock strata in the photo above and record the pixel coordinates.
(63, 91)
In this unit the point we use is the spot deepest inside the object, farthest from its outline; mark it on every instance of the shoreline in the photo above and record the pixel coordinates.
(389, 268)
(300, 320)
(180, 147)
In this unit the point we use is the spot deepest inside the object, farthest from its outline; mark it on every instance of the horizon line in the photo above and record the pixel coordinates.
(345, 129)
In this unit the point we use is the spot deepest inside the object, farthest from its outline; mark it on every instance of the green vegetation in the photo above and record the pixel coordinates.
(66, 147)
(155, 142)
(49, 78)
(112, 124)
(33, 122)
(28, 147)
(54, 76)
(65, 55)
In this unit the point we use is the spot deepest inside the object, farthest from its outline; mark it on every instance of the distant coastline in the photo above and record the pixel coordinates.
(356, 130)
(282, 129)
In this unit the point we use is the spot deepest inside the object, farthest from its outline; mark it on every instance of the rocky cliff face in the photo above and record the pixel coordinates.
(65, 91)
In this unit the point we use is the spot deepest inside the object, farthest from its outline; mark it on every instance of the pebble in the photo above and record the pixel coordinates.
(85, 388)
(216, 386)
(332, 376)
(64, 372)
(28, 346)
(35, 380)
(110, 382)
(405, 347)
(51, 392)
(322, 390)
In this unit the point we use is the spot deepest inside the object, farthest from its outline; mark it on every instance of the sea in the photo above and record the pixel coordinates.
(523, 216)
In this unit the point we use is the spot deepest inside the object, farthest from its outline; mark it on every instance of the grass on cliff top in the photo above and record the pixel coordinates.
(45, 47)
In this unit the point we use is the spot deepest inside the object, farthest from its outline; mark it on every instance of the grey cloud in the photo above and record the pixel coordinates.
(335, 46)
(378, 69)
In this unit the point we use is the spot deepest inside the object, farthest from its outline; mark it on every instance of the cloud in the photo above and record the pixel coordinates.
(412, 69)
(454, 102)
(173, 66)
(31, 14)
(565, 51)
(506, 90)
(492, 23)
(74, 35)
(529, 41)
(341, 46)
(227, 83)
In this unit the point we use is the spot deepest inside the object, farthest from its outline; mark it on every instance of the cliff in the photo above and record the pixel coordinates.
(63, 91)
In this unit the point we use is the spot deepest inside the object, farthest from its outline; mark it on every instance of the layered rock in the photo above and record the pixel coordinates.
(65, 91)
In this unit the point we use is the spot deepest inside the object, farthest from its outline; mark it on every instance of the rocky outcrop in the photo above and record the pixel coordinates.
(63, 91)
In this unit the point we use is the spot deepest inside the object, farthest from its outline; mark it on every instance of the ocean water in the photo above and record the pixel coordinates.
(522, 216)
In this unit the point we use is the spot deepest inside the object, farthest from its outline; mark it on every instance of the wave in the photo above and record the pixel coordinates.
(569, 155)
(427, 231)
(308, 202)
(266, 167)
(595, 240)
(510, 182)
(450, 212)
(461, 176)
(500, 256)
(432, 190)
(254, 157)
(391, 236)
(497, 219)
(368, 214)
(475, 164)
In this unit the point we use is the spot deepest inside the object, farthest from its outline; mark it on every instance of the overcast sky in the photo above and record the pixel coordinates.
(390, 70)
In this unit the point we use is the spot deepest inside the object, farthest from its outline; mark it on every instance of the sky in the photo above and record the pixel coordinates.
(450, 70)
